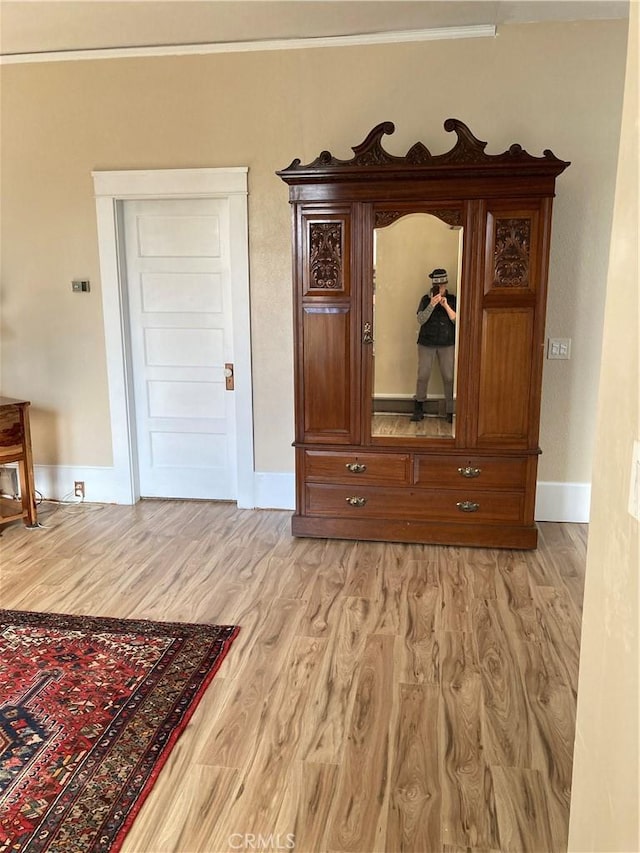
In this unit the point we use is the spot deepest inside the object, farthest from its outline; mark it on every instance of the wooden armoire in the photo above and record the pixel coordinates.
(472, 482)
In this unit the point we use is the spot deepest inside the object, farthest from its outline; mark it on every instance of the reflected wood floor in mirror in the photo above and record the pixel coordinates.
(379, 697)
(432, 426)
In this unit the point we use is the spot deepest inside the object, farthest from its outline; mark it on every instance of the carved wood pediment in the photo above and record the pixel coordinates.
(468, 152)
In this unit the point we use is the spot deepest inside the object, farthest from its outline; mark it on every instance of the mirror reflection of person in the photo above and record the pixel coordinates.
(436, 338)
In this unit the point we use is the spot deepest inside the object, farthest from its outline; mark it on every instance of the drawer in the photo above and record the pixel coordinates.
(373, 468)
(480, 472)
(463, 505)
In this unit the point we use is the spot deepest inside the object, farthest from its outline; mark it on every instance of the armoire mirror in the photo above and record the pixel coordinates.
(406, 248)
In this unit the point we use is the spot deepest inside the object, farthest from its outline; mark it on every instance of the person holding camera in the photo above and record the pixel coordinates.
(437, 337)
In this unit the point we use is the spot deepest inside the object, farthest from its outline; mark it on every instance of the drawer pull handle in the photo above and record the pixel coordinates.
(356, 467)
(469, 472)
(468, 506)
(354, 501)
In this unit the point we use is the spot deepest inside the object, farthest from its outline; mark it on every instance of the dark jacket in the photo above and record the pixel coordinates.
(438, 330)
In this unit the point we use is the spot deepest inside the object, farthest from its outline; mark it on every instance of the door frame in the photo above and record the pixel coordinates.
(111, 189)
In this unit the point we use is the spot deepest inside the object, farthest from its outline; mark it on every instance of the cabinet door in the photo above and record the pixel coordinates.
(328, 353)
(512, 324)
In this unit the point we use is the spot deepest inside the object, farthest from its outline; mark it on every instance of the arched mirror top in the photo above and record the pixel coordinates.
(467, 158)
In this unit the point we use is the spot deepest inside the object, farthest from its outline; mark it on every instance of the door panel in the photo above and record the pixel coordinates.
(177, 259)
(505, 376)
(327, 375)
(175, 292)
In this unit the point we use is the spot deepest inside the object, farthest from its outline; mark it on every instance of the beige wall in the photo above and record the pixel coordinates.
(606, 782)
(555, 86)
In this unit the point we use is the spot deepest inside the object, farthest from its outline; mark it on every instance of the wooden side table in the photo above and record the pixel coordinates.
(15, 446)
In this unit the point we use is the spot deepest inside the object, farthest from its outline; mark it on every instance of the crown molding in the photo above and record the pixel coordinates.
(400, 37)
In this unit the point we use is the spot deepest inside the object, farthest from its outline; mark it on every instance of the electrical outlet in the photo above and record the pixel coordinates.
(78, 488)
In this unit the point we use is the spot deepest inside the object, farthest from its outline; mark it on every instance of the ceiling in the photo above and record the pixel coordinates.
(37, 26)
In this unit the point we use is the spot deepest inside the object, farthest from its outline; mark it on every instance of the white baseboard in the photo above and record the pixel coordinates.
(55, 482)
(554, 501)
(102, 485)
(563, 502)
(275, 491)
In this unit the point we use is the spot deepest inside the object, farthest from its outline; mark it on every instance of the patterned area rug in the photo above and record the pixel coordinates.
(90, 709)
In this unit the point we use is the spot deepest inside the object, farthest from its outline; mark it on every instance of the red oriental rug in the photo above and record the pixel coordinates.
(90, 709)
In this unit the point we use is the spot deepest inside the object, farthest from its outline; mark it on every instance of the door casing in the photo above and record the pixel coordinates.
(111, 189)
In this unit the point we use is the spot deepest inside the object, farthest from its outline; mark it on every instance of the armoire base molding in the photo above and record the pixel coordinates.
(433, 533)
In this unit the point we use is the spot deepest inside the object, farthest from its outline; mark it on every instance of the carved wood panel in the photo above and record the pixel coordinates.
(326, 269)
(511, 246)
(512, 253)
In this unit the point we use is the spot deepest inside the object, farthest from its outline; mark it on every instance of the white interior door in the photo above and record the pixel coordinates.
(177, 255)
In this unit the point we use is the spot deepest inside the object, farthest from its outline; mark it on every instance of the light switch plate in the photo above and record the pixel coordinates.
(559, 348)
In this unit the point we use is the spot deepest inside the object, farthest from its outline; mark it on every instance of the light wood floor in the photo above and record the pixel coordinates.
(384, 424)
(379, 697)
